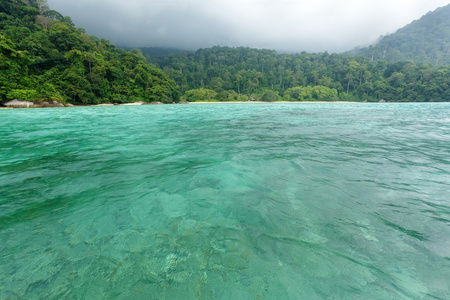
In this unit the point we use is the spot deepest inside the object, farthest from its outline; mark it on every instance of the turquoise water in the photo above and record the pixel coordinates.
(226, 201)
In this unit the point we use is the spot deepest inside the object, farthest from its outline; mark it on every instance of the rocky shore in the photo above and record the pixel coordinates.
(55, 103)
(28, 104)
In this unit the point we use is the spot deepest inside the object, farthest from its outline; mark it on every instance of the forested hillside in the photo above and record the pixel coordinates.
(227, 74)
(426, 40)
(44, 56)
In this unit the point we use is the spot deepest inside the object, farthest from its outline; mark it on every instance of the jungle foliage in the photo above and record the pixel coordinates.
(44, 56)
(245, 73)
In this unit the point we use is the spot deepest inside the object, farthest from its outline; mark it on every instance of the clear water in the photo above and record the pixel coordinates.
(226, 201)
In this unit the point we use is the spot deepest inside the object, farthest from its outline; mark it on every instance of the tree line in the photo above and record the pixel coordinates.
(228, 74)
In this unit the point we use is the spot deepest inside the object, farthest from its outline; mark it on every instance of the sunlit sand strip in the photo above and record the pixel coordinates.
(252, 102)
(134, 103)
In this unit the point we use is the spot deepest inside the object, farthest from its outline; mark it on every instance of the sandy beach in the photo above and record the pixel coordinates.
(134, 103)
(259, 102)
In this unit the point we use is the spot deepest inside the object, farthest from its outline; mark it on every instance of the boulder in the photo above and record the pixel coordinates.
(39, 103)
(49, 103)
(19, 104)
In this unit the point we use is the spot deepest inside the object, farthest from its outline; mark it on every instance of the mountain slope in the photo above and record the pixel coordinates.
(426, 40)
(44, 56)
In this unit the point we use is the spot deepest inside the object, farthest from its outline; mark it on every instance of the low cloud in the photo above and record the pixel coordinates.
(283, 25)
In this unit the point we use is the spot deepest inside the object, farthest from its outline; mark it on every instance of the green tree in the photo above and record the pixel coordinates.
(200, 95)
(270, 96)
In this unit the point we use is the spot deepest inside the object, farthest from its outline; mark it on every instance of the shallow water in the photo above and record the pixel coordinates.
(226, 201)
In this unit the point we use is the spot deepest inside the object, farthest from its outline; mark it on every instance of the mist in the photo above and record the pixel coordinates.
(283, 25)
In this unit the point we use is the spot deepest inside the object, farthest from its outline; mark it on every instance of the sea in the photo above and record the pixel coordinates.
(226, 201)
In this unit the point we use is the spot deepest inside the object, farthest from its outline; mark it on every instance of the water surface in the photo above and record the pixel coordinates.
(226, 201)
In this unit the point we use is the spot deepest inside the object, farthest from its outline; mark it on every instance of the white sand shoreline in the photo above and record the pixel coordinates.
(259, 102)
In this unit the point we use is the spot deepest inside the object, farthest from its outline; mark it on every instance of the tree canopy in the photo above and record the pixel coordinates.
(250, 73)
(44, 56)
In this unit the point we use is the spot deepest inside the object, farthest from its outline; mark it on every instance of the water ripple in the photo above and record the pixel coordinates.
(289, 201)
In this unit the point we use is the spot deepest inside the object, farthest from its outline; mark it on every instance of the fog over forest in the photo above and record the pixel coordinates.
(285, 25)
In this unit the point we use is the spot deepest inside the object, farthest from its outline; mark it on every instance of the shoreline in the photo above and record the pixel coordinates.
(264, 102)
(58, 104)
(200, 103)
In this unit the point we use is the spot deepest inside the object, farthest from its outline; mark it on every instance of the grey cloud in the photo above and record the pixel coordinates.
(286, 25)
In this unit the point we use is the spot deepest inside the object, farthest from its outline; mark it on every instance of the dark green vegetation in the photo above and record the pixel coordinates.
(44, 56)
(426, 40)
(228, 74)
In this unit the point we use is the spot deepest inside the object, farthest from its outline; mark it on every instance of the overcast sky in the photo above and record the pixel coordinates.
(283, 25)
